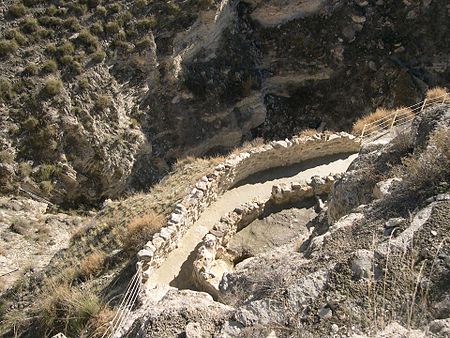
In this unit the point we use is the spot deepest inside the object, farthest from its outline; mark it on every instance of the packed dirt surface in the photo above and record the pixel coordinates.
(248, 190)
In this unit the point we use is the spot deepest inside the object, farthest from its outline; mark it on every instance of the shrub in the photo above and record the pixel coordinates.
(78, 9)
(98, 56)
(66, 48)
(204, 4)
(17, 10)
(73, 24)
(29, 25)
(8, 47)
(24, 169)
(6, 91)
(102, 102)
(83, 83)
(122, 46)
(53, 86)
(114, 8)
(144, 43)
(31, 69)
(6, 156)
(100, 11)
(30, 3)
(140, 4)
(46, 172)
(173, 8)
(46, 187)
(96, 28)
(437, 93)
(423, 173)
(50, 21)
(112, 27)
(14, 34)
(49, 66)
(75, 67)
(66, 60)
(140, 230)
(146, 23)
(88, 40)
(30, 123)
(92, 264)
(51, 10)
(66, 309)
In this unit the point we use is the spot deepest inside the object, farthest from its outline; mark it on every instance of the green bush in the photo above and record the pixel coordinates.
(53, 86)
(146, 23)
(6, 91)
(88, 40)
(102, 102)
(25, 169)
(50, 21)
(112, 27)
(31, 69)
(140, 4)
(98, 56)
(66, 60)
(29, 25)
(6, 156)
(51, 10)
(122, 47)
(83, 83)
(49, 66)
(78, 9)
(73, 24)
(100, 11)
(30, 123)
(46, 187)
(75, 67)
(144, 43)
(96, 28)
(66, 48)
(46, 172)
(173, 8)
(7, 47)
(15, 34)
(114, 8)
(17, 10)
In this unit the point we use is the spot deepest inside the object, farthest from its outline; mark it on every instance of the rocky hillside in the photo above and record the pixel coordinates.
(100, 97)
(373, 260)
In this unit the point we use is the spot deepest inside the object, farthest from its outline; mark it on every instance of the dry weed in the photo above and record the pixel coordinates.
(437, 93)
(92, 264)
(140, 230)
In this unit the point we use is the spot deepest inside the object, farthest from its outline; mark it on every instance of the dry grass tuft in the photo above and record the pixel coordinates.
(437, 93)
(386, 115)
(92, 264)
(98, 325)
(140, 230)
(359, 124)
(307, 132)
(66, 309)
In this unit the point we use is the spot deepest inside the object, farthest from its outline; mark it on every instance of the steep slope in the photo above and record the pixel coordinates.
(102, 97)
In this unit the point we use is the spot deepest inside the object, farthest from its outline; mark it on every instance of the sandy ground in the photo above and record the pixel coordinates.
(258, 186)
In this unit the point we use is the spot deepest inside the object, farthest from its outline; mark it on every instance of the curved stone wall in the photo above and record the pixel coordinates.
(207, 272)
(233, 170)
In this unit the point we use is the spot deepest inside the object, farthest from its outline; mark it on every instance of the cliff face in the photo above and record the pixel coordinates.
(148, 83)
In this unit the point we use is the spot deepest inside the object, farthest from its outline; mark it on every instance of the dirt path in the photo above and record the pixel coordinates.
(258, 186)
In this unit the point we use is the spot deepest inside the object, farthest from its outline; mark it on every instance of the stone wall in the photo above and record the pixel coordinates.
(233, 170)
(207, 272)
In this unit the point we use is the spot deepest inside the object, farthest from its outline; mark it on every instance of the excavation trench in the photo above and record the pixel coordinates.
(176, 270)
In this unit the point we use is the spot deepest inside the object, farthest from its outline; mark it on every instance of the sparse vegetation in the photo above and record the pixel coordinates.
(53, 86)
(67, 309)
(17, 10)
(8, 47)
(98, 56)
(102, 102)
(140, 230)
(50, 66)
(92, 264)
